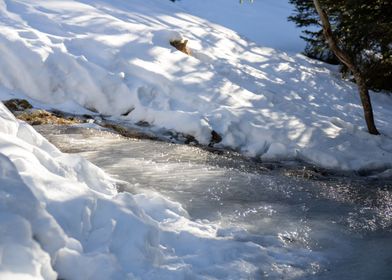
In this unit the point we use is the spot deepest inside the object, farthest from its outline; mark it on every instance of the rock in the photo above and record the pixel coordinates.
(143, 124)
(215, 138)
(190, 139)
(128, 131)
(126, 113)
(15, 105)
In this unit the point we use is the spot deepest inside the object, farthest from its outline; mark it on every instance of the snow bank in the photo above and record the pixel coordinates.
(114, 57)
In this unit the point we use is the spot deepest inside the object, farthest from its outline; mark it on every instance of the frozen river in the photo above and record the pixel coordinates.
(343, 224)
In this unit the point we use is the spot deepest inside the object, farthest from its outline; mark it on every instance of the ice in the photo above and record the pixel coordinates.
(62, 217)
(327, 228)
(115, 58)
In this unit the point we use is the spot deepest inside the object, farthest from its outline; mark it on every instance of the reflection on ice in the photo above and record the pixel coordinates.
(346, 223)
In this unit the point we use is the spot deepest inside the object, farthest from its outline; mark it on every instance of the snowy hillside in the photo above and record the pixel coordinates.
(114, 57)
(262, 21)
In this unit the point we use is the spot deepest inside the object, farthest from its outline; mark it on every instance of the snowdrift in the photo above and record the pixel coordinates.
(114, 57)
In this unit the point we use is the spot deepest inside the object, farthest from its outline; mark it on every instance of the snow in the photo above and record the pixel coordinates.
(62, 217)
(261, 21)
(114, 57)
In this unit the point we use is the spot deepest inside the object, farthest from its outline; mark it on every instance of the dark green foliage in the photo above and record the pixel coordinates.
(363, 29)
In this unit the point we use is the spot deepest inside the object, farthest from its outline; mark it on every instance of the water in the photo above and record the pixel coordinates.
(346, 222)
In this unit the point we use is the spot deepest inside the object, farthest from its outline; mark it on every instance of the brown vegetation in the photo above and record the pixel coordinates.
(181, 45)
(39, 117)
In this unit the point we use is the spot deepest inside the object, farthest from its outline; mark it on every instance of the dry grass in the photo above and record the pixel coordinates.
(38, 117)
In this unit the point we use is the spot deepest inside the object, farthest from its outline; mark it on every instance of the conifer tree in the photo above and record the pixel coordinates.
(364, 30)
(346, 60)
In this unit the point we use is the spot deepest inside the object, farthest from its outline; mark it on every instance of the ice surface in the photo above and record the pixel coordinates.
(62, 217)
(327, 228)
(115, 57)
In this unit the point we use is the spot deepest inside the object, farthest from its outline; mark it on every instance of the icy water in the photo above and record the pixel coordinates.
(345, 222)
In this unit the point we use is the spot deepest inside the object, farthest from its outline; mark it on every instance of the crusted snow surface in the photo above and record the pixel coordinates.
(264, 22)
(114, 57)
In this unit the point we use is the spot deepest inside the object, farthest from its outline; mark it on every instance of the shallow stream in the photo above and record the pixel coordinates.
(347, 221)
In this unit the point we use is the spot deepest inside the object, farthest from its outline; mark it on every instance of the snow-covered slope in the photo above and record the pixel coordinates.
(262, 21)
(115, 57)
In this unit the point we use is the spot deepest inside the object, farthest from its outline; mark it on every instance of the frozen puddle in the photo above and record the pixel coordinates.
(344, 226)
